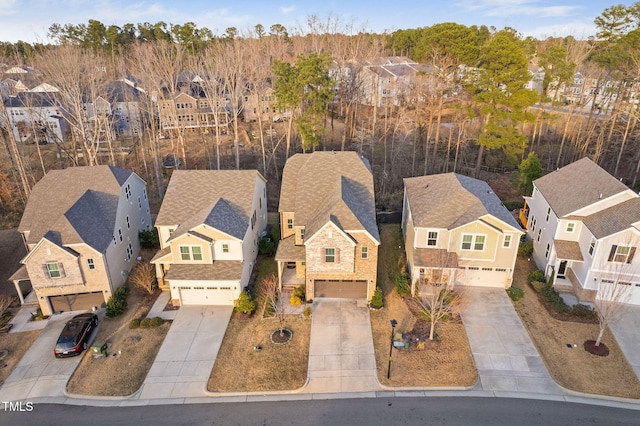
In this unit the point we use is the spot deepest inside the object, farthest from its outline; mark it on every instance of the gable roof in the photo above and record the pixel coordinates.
(75, 205)
(576, 186)
(221, 199)
(329, 186)
(451, 200)
(614, 219)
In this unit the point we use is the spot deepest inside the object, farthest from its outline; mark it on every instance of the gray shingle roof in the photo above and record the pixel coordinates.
(451, 200)
(224, 270)
(75, 205)
(323, 186)
(614, 219)
(288, 251)
(568, 250)
(219, 198)
(577, 185)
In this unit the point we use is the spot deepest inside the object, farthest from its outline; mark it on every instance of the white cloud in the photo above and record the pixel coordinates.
(287, 10)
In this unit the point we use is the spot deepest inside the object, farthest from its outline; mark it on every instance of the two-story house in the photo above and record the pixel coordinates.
(186, 113)
(209, 225)
(457, 231)
(328, 226)
(80, 228)
(585, 226)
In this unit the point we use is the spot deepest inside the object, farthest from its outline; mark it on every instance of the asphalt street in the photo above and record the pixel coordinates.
(448, 411)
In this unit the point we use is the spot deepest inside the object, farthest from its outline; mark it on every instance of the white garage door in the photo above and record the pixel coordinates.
(205, 293)
(482, 277)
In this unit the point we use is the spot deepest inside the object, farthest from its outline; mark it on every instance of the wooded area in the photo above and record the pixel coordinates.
(491, 98)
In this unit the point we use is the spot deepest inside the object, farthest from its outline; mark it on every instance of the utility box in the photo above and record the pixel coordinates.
(99, 348)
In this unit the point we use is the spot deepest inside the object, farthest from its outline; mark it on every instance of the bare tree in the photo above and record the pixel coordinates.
(144, 276)
(5, 302)
(616, 285)
(274, 300)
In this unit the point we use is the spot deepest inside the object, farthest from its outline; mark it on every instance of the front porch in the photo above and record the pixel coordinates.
(569, 284)
(289, 279)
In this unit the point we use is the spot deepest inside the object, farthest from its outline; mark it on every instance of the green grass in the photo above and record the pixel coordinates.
(390, 255)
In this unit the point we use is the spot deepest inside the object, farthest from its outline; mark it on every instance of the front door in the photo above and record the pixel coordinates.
(562, 269)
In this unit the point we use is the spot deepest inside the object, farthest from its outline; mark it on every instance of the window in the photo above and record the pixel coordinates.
(120, 234)
(538, 237)
(329, 255)
(533, 224)
(127, 191)
(171, 231)
(90, 264)
(622, 254)
(365, 252)
(571, 226)
(139, 203)
(506, 243)
(225, 248)
(546, 252)
(54, 269)
(592, 246)
(473, 242)
(432, 238)
(129, 252)
(128, 223)
(289, 223)
(302, 233)
(548, 213)
(190, 253)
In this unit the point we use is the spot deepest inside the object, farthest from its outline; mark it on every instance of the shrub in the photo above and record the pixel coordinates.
(266, 246)
(149, 239)
(582, 311)
(401, 281)
(295, 300)
(245, 303)
(117, 303)
(555, 300)
(134, 323)
(525, 249)
(536, 275)
(376, 300)
(5, 318)
(307, 312)
(513, 205)
(538, 286)
(515, 293)
(151, 322)
(145, 323)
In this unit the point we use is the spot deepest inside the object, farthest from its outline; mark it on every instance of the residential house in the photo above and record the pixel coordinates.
(209, 226)
(187, 113)
(36, 117)
(80, 227)
(457, 231)
(389, 80)
(329, 237)
(585, 226)
(125, 97)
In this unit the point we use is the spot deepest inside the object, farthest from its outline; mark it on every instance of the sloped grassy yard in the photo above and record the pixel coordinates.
(573, 368)
(447, 362)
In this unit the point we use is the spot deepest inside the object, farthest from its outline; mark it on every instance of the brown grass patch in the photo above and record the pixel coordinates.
(241, 368)
(573, 368)
(124, 373)
(447, 362)
(17, 344)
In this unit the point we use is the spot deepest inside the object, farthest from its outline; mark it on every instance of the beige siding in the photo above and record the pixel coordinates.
(283, 224)
(189, 240)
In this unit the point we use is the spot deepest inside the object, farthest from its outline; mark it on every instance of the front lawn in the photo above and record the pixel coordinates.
(573, 367)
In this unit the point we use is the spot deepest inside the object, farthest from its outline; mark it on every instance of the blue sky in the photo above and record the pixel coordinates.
(28, 20)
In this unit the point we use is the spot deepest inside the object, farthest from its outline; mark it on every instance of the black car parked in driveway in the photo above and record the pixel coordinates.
(74, 337)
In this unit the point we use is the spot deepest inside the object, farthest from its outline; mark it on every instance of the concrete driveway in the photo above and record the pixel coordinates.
(341, 356)
(40, 374)
(626, 333)
(185, 359)
(506, 359)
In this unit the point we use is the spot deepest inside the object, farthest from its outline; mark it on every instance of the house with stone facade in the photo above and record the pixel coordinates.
(80, 228)
(457, 231)
(585, 227)
(329, 236)
(209, 225)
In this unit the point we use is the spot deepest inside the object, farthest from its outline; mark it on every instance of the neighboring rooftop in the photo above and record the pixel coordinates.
(451, 200)
(576, 186)
(220, 198)
(614, 219)
(75, 205)
(323, 186)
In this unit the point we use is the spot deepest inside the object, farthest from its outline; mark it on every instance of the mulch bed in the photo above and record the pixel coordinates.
(600, 350)
(281, 337)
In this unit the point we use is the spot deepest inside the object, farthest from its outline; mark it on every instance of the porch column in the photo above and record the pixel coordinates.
(16, 283)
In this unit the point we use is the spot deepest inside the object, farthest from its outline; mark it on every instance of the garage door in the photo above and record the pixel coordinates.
(482, 277)
(76, 302)
(342, 289)
(205, 294)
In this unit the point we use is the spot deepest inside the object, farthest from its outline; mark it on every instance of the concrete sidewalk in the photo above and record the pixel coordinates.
(341, 356)
(506, 359)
